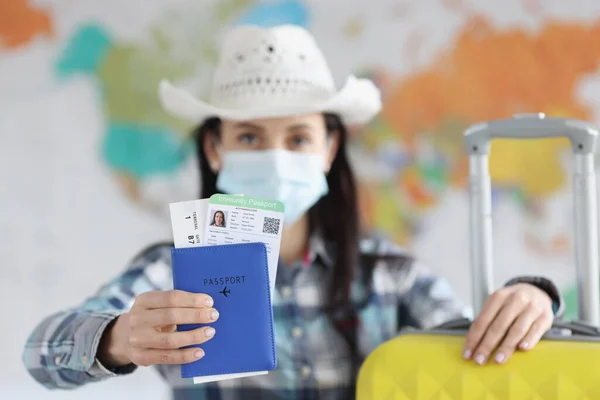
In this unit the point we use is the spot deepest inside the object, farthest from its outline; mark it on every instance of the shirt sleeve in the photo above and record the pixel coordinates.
(430, 301)
(61, 350)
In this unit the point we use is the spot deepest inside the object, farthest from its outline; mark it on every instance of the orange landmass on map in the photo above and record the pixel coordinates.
(20, 22)
(411, 181)
(491, 74)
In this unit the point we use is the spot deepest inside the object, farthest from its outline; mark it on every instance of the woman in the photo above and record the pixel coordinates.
(277, 128)
(218, 219)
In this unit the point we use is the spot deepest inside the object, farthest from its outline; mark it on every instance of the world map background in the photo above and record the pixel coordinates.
(89, 160)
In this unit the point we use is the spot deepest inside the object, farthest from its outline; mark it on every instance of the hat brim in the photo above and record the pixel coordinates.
(357, 102)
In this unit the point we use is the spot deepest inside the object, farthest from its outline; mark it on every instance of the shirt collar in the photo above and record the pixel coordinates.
(318, 248)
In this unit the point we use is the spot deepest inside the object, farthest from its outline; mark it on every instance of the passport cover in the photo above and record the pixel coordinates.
(236, 276)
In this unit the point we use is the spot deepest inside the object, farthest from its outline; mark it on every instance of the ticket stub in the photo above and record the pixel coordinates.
(188, 219)
(239, 219)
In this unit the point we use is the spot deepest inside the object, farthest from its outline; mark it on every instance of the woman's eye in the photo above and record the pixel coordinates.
(248, 139)
(298, 141)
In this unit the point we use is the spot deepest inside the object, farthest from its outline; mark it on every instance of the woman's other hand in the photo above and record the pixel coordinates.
(514, 317)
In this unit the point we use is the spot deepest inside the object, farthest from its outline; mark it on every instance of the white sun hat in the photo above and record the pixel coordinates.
(269, 73)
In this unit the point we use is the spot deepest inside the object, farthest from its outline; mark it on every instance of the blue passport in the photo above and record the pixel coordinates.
(236, 276)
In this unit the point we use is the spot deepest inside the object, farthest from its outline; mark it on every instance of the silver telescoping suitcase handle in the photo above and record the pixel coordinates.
(583, 137)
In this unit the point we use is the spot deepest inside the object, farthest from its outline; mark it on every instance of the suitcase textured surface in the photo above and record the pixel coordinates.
(553, 370)
(428, 365)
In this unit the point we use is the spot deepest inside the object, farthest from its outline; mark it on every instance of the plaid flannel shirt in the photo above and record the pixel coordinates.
(314, 361)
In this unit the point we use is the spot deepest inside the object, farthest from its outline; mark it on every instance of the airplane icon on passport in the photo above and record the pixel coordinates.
(224, 292)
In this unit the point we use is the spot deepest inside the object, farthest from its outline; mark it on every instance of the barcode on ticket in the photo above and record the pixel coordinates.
(271, 225)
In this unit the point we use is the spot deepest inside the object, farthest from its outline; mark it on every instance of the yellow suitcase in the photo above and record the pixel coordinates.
(565, 365)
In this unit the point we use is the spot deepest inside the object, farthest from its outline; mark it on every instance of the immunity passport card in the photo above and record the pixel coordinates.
(245, 220)
(229, 219)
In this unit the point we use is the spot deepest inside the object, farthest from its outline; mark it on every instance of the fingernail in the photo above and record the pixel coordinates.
(209, 332)
(199, 353)
(499, 358)
(480, 359)
(467, 354)
(209, 302)
(214, 314)
(524, 346)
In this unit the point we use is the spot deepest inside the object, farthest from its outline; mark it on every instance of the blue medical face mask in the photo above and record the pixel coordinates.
(294, 178)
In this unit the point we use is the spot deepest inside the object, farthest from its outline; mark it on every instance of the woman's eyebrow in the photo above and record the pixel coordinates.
(299, 127)
(248, 125)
